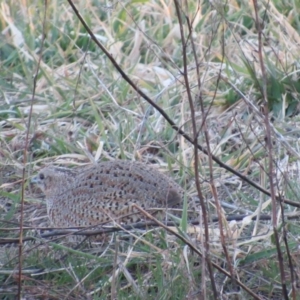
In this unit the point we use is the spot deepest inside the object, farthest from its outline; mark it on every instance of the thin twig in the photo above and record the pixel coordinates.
(19, 295)
(88, 231)
(195, 143)
(270, 151)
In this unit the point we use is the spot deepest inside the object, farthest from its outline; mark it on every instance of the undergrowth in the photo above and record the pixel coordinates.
(83, 111)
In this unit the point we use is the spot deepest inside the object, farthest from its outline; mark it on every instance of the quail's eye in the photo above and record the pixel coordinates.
(42, 176)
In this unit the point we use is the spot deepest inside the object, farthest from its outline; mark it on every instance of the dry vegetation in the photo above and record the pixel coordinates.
(62, 101)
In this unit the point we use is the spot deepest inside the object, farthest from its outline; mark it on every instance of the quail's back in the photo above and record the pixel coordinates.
(105, 192)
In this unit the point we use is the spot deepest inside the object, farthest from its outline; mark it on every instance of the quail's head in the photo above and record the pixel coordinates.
(53, 180)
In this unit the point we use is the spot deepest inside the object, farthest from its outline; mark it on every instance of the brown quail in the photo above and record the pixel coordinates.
(105, 192)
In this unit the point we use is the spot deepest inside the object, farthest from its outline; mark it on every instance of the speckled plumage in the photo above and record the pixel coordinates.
(105, 192)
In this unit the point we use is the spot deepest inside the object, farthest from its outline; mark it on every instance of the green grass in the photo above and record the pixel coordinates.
(83, 110)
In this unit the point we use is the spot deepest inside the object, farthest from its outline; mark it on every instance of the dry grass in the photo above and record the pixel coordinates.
(84, 111)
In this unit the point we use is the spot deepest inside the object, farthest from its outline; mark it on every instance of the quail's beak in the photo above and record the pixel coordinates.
(35, 180)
